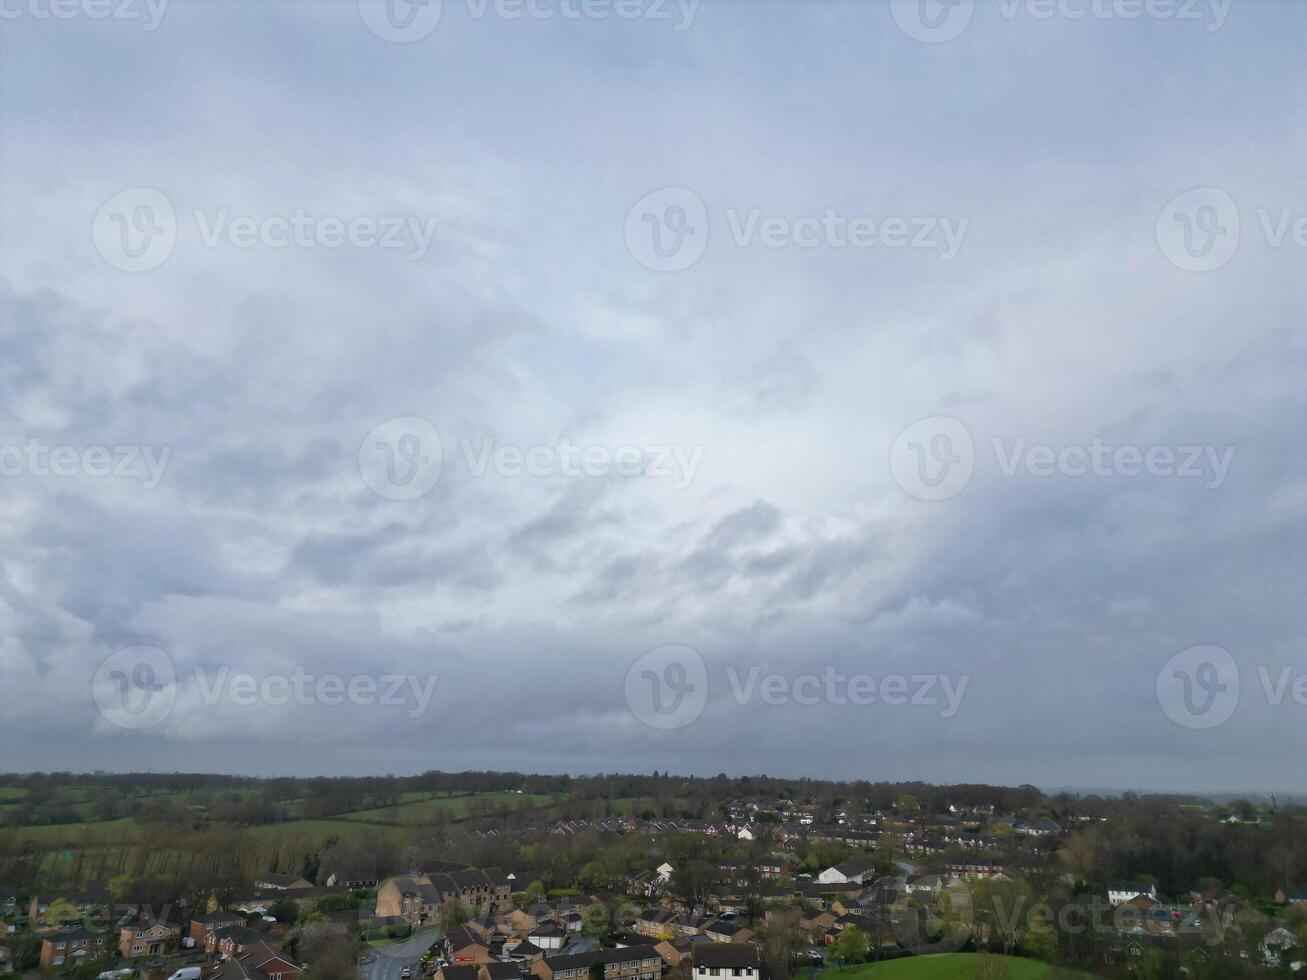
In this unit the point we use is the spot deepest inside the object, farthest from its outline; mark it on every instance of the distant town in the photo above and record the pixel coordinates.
(504, 876)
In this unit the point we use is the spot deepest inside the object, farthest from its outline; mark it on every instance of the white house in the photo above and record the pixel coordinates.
(1123, 892)
(719, 961)
(664, 872)
(842, 874)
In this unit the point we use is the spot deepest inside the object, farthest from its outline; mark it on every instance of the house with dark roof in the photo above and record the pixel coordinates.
(213, 922)
(718, 961)
(625, 963)
(261, 962)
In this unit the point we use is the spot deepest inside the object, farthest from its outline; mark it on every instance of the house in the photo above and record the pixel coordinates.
(65, 949)
(548, 936)
(84, 902)
(1122, 892)
(463, 945)
(458, 971)
(655, 922)
(527, 952)
(420, 898)
(626, 963)
(675, 951)
(721, 931)
(232, 941)
(213, 922)
(499, 971)
(1291, 896)
(260, 962)
(976, 867)
(146, 935)
(282, 882)
(843, 874)
(715, 961)
(1275, 944)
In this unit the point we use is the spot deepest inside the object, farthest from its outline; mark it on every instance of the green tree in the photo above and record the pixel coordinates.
(850, 946)
(595, 921)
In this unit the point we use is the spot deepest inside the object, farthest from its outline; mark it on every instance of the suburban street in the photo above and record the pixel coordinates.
(386, 962)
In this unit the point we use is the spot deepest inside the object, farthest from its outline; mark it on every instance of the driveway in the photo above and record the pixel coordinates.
(386, 962)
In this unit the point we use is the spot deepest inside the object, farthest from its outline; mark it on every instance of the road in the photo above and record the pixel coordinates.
(386, 962)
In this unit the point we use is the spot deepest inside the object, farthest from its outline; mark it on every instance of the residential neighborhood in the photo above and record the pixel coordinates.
(741, 887)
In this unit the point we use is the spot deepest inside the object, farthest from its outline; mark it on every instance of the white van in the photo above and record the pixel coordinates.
(186, 973)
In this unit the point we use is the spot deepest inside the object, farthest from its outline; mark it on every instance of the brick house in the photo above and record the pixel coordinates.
(147, 936)
(627, 963)
(234, 940)
(213, 922)
(65, 949)
(261, 962)
(420, 898)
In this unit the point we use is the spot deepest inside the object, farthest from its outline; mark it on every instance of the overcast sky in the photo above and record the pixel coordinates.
(559, 239)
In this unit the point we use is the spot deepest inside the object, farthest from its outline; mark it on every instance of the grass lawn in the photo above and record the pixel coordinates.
(943, 966)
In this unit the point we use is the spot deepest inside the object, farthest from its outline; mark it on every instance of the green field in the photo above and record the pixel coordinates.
(423, 811)
(943, 966)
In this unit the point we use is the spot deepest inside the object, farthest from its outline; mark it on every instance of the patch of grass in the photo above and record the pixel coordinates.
(942, 966)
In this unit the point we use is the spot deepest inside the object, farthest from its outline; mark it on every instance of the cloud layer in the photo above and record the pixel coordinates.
(631, 458)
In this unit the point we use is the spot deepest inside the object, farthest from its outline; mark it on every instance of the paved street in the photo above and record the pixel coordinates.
(386, 962)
